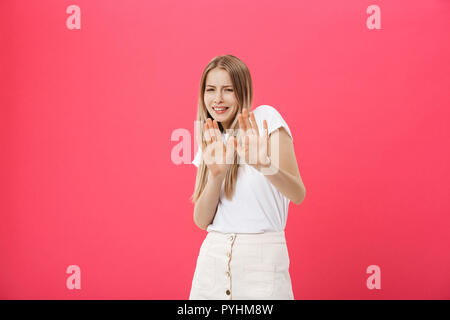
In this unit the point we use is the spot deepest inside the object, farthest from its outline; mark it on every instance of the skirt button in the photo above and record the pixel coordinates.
(228, 292)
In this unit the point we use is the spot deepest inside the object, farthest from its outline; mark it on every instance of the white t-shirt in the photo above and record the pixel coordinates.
(257, 206)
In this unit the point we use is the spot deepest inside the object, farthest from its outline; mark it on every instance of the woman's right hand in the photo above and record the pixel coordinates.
(217, 156)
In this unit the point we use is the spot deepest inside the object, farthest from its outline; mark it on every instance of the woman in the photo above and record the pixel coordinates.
(246, 177)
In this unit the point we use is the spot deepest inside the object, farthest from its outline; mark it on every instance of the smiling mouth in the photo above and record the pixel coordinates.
(220, 108)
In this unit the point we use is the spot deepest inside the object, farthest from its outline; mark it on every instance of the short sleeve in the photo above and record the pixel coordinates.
(198, 158)
(273, 118)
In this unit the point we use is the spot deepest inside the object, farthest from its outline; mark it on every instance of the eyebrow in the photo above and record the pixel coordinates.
(210, 85)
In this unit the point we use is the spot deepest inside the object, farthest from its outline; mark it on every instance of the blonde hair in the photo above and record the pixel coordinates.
(243, 90)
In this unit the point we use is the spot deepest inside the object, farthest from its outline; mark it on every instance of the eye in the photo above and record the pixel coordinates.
(231, 90)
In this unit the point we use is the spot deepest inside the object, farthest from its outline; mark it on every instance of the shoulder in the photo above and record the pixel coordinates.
(265, 109)
(272, 116)
(268, 113)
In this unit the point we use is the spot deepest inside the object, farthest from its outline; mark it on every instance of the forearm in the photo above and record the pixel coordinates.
(289, 185)
(206, 205)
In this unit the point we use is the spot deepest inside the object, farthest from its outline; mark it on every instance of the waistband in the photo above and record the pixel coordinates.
(266, 237)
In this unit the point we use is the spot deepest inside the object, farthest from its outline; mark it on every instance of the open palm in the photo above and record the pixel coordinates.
(253, 147)
(217, 156)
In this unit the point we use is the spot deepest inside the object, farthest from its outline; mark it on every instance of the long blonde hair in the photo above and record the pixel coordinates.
(243, 90)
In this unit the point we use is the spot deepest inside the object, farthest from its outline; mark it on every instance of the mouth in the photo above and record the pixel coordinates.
(220, 110)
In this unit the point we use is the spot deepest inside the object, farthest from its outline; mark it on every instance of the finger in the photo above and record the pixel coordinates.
(206, 134)
(231, 147)
(211, 130)
(254, 125)
(266, 129)
(217, 131)
(240, 152)
(242, 129)
(247, 122)
(242, 123)
(241, 132)
(253, 149)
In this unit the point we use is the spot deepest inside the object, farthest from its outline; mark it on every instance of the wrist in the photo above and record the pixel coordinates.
(268, 168)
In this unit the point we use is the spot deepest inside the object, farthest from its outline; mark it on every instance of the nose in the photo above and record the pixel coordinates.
(218, 97)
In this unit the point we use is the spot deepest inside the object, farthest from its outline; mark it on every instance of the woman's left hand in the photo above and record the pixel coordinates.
(253, 147)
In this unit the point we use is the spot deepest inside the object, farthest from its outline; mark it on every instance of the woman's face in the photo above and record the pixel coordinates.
(219, 92)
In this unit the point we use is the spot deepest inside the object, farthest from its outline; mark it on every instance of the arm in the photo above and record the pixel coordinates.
(275, 157)
(206, 205)
(287, 178)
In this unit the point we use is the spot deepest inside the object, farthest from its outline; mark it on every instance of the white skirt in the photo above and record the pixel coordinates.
(242, 266)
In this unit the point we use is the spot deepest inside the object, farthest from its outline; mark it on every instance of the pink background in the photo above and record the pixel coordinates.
(86, 122)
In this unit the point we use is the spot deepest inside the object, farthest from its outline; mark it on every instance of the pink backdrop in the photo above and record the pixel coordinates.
(87, 116)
